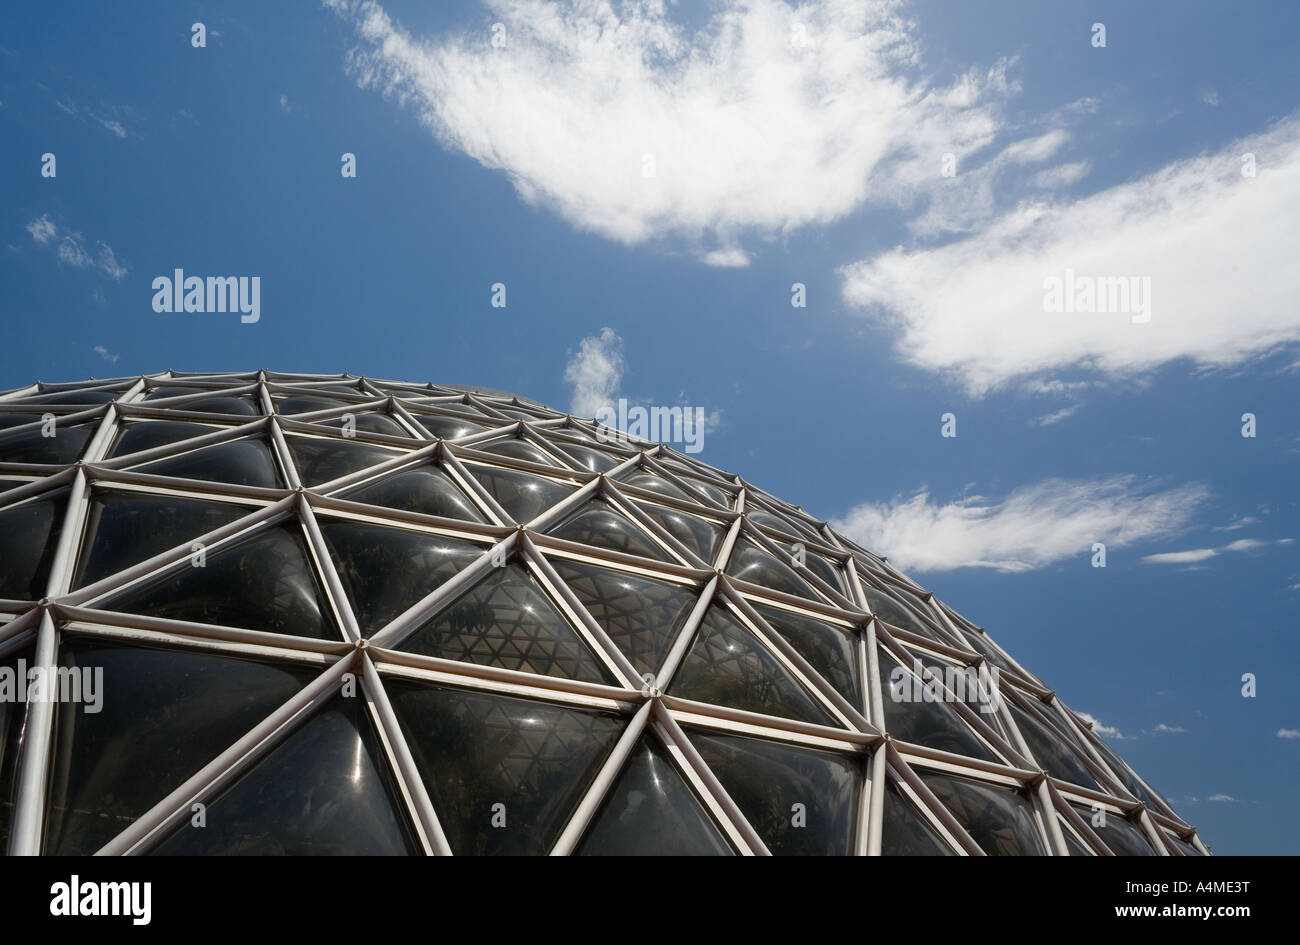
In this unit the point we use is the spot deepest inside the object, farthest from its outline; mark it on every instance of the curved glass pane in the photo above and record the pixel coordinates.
(915, 712)
(692, 531)
(830, 650)
(1118, 833)
(28, 535)
(518, 449)
(1050, 750)
(521, 495)
(242, 405)
(504, 774)
(425, 489)
(325, 791)
(146, 435)
(825, 569)
(8, 420)
(447, 428)
(893, 612)
(653, 482)
(506, 620)
(322, 460)
(125, 528)
(587, 458)
(13, 718)
(161, 716)
(367, 423)
(641, 615)
(90, 398)
(240, 462)
(801, 801)
(905, 831)
(597, 523)
(726, 665)
(753, 564)
(998, 818)
(306, 403)
(63, 444)
(386, 570)
(650, 810)
(263, 582)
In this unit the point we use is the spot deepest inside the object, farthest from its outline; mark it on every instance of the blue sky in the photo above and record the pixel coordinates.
(777, 161)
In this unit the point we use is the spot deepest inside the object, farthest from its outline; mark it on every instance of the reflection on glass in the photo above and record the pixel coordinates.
(321, 460)
(146, 435)
(832, 651)
(695, 533)
(28, 535)
(597, 523)
(906, 832)
(425, 489)
(521, 495)
(241, 462)
(998, 818)
(753, 564)
(1123, 837)
(915, 712)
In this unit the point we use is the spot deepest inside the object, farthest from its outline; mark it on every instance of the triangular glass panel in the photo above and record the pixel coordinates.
(386, 570)
(1188, 848)
(263, 582)
(1050, 750)
(370, 422)
(727, 666)
(307, 403)
(63, 444)
(515, 448)
(504, 773)
(915, 712)
(905, 832)
(239, 462)
(145, 435)
(587, 458)
(832, 651)
(8, 420)
(695, 533)
(239, 405)
(523, 496)
(324, 460)
(158, 716)
(506, 620)
(999, 818)
(448, 428)
(898, 614)
(769, 780)
(650, 810)
(88, 398)
(1117, 832)
(29, 533)
(324, 791)
(641, 615)
(825, 569)
(1072, 843)
(599, 523)
(651, 481)
(125, 528)
(715, 493)
(424, 489)
(13, 718)
(751, 563)
(163, 392)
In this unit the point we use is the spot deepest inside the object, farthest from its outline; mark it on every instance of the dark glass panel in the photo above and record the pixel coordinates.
(386, 570)
(307, 403)
(161, 393)
(517, 449)
(651, 811)
(506, 620)
(264, 582)
(13, 718)
(325, 791)
(643, 616)
(980, 643)
(33, 446)
(695, 533)
(711, 491)
(477, 750)
(1188, 848)
(753, 564)
(801, 801)
(523, 496)
(125, 528)
(1122, 836)
(905, 831)
(90, 398)
(998, 818)
(322, 460)
(163, 715)
(1125, 775)
(765, 519)
(242, 405)
(8, 420)
(831, 651)
(369, 423)
(1072, 843)
(653, 482)
(1050, 750)
(147, 435)
(425, 489)
(598, 523)
(28, 535)
(825, 569)
(240, 462)
(726, 665)
(587, 458)
(913, 715)
(898, 614)
(447, 428)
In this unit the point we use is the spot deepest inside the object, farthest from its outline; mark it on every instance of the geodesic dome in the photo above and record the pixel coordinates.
(288, 613)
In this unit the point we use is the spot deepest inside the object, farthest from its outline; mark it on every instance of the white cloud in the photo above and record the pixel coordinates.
(1216, 246)
(116, 127)
(1063, 175)
(1222, 798)
(1163, 729)
(1245, 544)
(1180, 557)
(1288, 733)
(1237, 524)
(1046, 420)
(106, 354)
(1034, 526)
(726, 258)
(595, 373)
(72, 248)
(768, 118)
(1105, 731)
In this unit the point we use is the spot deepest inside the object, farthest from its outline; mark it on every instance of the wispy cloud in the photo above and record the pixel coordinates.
(767, 118)
(1046, 420)
(1034, 526)
(71, 248)
(106, 354)
(973, 309)
(1164, 729)
(595, 373)
(1105, 731)
(1195, 555)
(1222, 798)
(1290, 733)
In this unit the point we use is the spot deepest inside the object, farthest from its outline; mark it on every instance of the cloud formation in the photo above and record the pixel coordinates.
(1195, 555)
(1215, 243)
(1033, 527)
(767, 118)
(595, 373)
(71, 248)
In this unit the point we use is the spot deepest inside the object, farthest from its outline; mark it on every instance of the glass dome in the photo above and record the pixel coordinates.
(319, 614)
